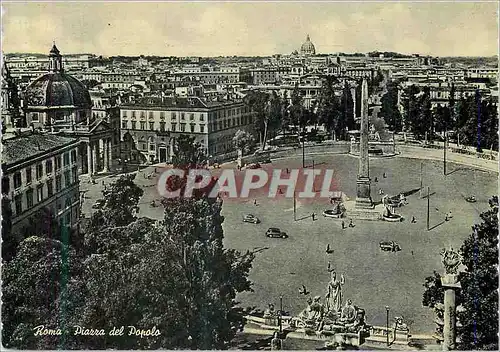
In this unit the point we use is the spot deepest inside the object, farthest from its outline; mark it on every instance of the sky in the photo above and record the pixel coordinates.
(250, 28)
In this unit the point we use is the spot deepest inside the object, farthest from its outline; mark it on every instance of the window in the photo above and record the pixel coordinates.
(150, 114)
(151, 147)
(17, 179)
(29, 198)
(67, 203)
(183, 117)
(183, 127)
(5, 185)
(192, 128)
(73, 156)
(18, 204)
(67, 179)
(50, 188)
(174, 125)
(191, 117)
(58, 162)
(124, 124)
(74, 174)
(39, 193)
(202, 117)
(162, 126)
(134, 125)
(66, 159)
(143, 115)
(151, 126)
(133, 114)
(162, 115)
(202, 128)
(28, 175)
(48, 167)
(124, 113)
(58, 183)
(144, 146)
(39, 171)
(174, 116)
(220, 125)
(225, 123)
(143, 125)
(34, 117)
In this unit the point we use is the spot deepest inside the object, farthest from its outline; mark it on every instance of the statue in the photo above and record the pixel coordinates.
(349, 313)
(270, 312)
(276, 342)
(451, 260)
(334, 295)
(313, 312)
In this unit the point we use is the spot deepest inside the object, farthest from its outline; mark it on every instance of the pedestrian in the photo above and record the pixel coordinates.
(287, 171)
(384, 175)
(413, 220)
(343, 225)
(376, 179)
(351, 224)
(103, 182)
(280, 191)
(313, 216)
(255, 202)
(446, 217)
(156, 171)
(411, 252)
(380, 192)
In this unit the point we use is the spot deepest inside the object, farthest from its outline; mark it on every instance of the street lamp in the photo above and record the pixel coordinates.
(387, 323)
(280, 316)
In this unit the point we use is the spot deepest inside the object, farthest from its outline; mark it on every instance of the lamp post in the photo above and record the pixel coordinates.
(280, 315)
(387, 323)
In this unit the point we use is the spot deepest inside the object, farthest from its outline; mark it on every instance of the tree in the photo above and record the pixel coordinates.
(259, 102)
(41, 286)
(119, 206)
(347, 109)
(329, 110)
(390, 109)
(479, 317)
(478, 296)
(188, 153)
(243, 141)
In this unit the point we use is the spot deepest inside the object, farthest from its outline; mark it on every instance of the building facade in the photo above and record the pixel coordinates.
(41, 171)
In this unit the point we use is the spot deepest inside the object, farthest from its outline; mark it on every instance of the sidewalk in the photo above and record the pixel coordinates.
(437, 154)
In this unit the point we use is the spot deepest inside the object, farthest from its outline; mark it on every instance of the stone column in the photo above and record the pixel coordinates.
(353, 94)
(89, 159)
(106, 155)
(363, 194)
(95, 149)
(450, 284)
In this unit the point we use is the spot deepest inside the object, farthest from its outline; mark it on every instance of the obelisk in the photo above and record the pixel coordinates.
(363, 195)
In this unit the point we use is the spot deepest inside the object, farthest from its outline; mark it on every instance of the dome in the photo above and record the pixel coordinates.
(308, 47)
(58, 89)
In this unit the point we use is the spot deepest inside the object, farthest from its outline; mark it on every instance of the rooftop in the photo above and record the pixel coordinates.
(24, 147)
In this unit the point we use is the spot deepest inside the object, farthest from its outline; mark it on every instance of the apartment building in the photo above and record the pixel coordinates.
(41, 171)
(153, 124)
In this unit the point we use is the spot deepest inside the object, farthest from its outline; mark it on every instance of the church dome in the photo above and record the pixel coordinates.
(308, 47)
(57, 89)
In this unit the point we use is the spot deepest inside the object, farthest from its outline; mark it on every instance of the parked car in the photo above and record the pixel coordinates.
(254, 166)
(471, 199)
(274, 232)
(251, 218)
(389, 246)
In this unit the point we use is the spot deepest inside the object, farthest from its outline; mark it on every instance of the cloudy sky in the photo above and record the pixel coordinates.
(250, 28)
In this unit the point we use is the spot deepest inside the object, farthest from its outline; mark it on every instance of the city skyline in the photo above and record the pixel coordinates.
(250, 29)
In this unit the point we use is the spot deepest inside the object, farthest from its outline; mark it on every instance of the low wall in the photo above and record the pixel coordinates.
(388, 148)
(338, 148)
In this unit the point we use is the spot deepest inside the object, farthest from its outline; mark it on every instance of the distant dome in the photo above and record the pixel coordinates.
(57, 89)
(308, 47)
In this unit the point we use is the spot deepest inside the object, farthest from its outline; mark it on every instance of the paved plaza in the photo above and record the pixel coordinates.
(374, 278)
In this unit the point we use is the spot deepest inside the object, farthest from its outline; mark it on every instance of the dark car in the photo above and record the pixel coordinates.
(389, 246)
(251, 218)
(274, 232)
(254, 166)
